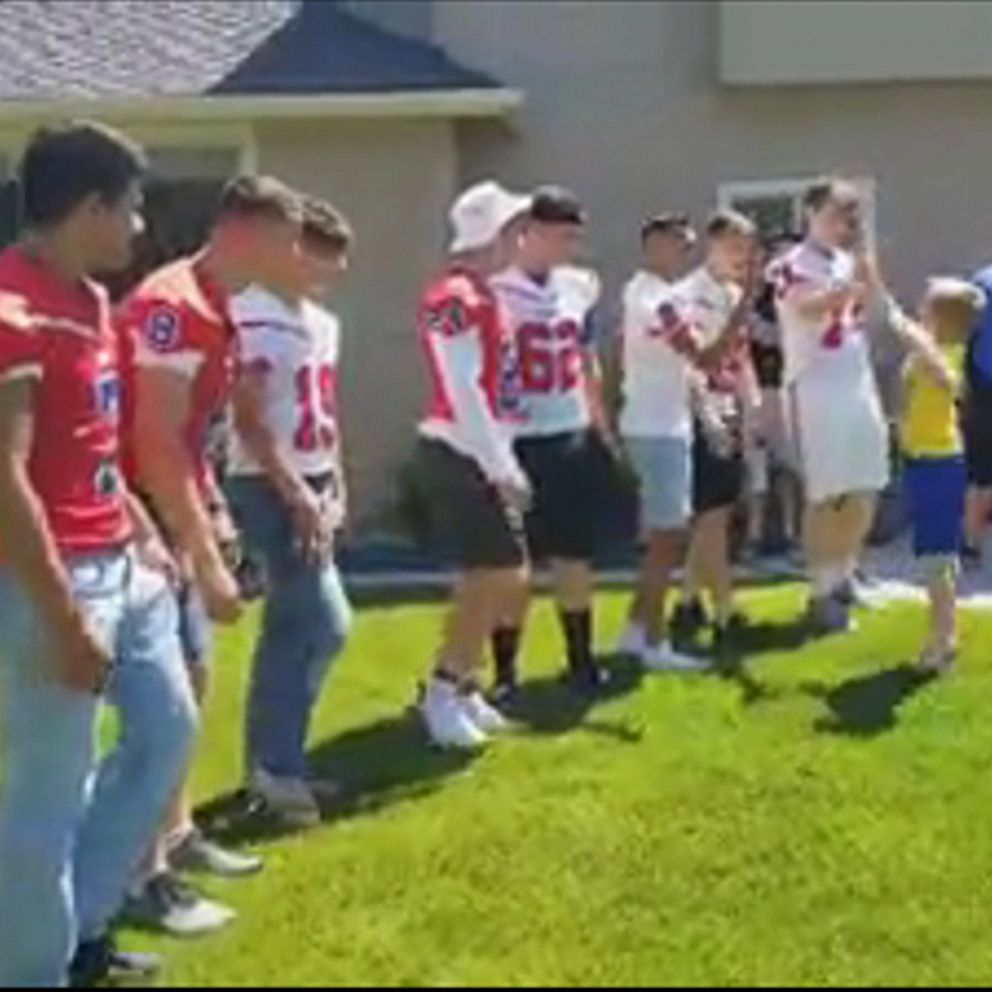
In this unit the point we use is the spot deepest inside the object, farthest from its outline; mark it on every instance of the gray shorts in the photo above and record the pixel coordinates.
(664, 469)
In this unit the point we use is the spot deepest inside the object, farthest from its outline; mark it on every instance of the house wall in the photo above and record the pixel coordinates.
(624, 104)
(395, 181)
(820, 41)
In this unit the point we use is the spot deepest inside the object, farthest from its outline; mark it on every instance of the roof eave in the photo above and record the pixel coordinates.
(496, 102)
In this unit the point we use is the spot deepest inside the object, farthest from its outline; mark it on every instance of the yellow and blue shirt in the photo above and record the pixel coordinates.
(930, 427)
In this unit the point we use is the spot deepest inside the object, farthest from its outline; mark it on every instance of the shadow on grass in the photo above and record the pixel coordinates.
(376, 766)
(550, 707)
(763, 638)
(868, 706)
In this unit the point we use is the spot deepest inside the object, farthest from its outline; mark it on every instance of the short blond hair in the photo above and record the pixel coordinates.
(955, 305)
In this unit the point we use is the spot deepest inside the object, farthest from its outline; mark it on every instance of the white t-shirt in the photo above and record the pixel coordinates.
(297, 348)
(834, 346)
(656, 378)
(548, 320)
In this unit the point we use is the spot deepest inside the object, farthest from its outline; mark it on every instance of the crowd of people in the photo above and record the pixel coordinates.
(120, 546)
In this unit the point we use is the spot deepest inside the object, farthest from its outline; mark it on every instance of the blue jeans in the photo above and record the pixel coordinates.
(71, 829)
(304, 628)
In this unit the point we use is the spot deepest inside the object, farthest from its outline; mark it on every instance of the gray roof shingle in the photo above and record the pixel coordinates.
(121, 49)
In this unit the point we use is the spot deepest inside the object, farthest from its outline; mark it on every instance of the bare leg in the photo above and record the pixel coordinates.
(977, 511)
(480, 598)
(665, 549)
(712, 558)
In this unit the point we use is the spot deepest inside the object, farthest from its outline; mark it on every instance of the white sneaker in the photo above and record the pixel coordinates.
(486, 717)
(290, 799)
(633, 642)
(664, 658)
(446, 719)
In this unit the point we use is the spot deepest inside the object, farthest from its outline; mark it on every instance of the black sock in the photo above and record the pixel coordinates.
(506, 647)
(577, 627)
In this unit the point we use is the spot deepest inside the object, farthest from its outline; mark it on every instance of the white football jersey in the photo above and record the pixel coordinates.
(656, 378)
(833, 346)
(548, 320)
(296, 347)
(706, 305)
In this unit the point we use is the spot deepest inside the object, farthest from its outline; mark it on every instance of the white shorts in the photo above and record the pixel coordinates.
(843, 440)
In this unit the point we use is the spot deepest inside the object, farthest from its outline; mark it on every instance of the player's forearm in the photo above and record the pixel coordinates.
(141, 520)
(169, 477)
(713, 355)
(595, 397)
(817, 305)
(29, 549)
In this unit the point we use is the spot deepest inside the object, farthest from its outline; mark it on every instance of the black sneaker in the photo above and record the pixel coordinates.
(688, 618)
(99, 961)
(589, 679)
(504, 692)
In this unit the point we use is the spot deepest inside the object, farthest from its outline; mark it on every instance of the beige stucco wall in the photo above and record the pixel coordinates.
(767, 41)
(394, 180)
(624, 104)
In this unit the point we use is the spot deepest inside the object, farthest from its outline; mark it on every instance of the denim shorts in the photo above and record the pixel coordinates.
(664, 469)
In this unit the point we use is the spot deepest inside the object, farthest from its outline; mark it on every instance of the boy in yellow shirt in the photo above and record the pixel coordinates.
(935, 475)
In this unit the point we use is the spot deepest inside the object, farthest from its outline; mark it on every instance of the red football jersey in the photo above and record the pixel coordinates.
(457, 303)
(60, 334)
(178, 319)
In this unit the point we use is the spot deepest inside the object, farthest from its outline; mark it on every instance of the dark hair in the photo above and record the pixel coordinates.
(62, 166)
(823, 190)
(724, 222)
(556, 205)
(326, 226)
(664, 223)
(250, 197)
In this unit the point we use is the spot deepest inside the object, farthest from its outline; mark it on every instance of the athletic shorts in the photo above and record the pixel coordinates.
(576, 484)
(977, 423)
(470, 524)
(717, 477)
(664, 471)
(935, 490)
(843, 440)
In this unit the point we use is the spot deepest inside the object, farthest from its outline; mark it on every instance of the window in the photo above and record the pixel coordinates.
(182, 190)
(775, 205)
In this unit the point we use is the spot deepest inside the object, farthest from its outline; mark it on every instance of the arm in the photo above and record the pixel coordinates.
(685, 339)
(168, 474)
(460, 359)
(304, 505)
(921, 346)
(29, 548)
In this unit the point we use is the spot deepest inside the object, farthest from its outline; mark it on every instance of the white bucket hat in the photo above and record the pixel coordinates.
(480, 214)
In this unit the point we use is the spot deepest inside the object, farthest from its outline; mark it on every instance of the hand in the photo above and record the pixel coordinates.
(314, 530)
(220, 591)
(226, 535)
(866, 269)
(86, 665)
(154, 555)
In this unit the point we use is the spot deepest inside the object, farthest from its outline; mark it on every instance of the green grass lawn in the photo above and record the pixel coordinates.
(821, 820)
